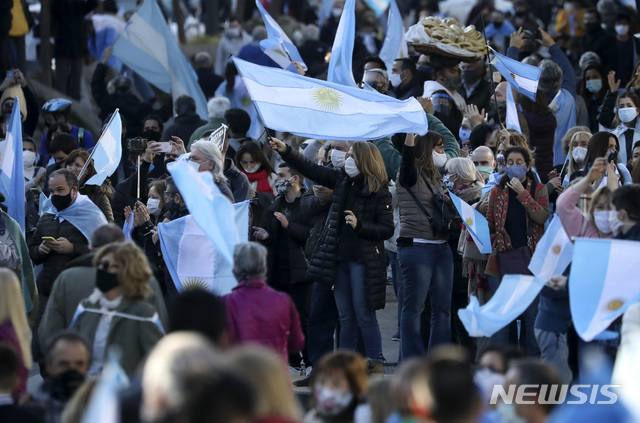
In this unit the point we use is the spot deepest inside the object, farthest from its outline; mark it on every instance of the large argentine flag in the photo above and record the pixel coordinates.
(148, 47)
(394, 45)
(553, 253)
(515, 294)
(193, 260)
(11, 170)
(524, 78)
(604, 282)
(108, 152)
(318, 109)
(340, 64)
(475, 223)
(278, 46)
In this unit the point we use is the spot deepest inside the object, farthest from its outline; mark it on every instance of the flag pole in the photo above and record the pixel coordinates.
(486, 44)
(93, 150)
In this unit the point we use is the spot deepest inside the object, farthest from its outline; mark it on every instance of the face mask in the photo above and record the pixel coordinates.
(330, 402)
(152, 135)
(28, 158)
(153, 205)
(517, 171)
(469, 75)
(64, 385)
(594, 85)
(351, 168)
(627, 114)
(61, 202)
(283, 186)
(614, 223)
(252, 169)
(439, 159)
(172, 206)
(395, 79)
(498, 25)
(601, 218)
(464, 134)
(507, 413)
(338, 158)
(447, 183)
(579, 154)
(194, 165)
(423, 69)
(105, 281)
(485, 171)
(452, 83)
(622, 30)
(498, 108)
(233, 32)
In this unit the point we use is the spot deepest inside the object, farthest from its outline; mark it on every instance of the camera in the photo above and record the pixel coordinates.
(137, 145)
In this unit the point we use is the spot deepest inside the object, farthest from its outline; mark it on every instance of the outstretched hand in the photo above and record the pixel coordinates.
(277, 145)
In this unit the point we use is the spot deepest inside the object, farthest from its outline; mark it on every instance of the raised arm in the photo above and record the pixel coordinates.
(320, 174)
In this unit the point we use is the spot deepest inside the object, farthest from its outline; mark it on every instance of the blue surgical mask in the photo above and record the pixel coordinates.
(594, 85)
(517, 171)
(464, 134)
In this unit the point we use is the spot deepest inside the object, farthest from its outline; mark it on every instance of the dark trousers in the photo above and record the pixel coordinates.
(69, 76)
(323, 321)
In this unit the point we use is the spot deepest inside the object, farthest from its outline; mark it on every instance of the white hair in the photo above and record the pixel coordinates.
(463, 167)
(212, 153)
(217, 106)
(249, 261)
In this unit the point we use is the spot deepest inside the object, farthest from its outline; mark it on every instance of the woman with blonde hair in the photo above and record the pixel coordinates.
(13, 326)
(265, 371)
(116, 313)
(577, 154)
(350, 253)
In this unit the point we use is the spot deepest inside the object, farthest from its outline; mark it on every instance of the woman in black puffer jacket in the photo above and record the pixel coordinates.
(350, 253)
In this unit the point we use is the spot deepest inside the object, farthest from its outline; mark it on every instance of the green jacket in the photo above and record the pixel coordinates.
(212, 125)
(393, 158)
(25, 270)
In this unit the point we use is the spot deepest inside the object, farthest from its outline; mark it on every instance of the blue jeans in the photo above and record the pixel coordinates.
(425, 268)
(323, 320)
(354, 310)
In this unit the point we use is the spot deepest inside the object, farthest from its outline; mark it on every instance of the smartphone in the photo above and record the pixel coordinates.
(10, 74)
(49, 238)
(164, 147)
(613, 156)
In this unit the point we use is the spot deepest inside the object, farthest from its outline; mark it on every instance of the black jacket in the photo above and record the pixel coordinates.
(237, 181)
(480, 96)
(413, 89)
(375, 224)
(183, 126)
(69, 28)
(127, 190)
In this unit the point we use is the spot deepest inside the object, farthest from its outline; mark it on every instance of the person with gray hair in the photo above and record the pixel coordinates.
(216, 108)
(257, 313)
(206, 157)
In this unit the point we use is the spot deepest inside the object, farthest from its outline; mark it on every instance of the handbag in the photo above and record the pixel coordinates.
(442, 220)
(516, 262)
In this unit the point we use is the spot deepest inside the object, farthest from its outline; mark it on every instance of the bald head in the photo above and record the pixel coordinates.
(501, 91)
(483, 156)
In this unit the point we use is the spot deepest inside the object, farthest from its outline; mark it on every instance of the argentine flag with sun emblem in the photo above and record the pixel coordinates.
(553, 253)
(313, 108)
(604, 282)
(475, 223)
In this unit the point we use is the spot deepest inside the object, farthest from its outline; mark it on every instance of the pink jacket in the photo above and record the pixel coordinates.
(573, 221)
(258, 313)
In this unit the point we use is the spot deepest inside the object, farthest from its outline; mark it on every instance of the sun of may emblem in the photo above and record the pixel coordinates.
(556, 249)
(469, 221)
(327, 99)
(614, 305)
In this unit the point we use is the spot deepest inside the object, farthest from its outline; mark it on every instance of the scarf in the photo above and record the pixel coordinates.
(263, 180)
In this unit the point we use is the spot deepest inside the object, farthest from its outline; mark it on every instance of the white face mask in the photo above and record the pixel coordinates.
(395, 79)
(579, 154)
(507, 413)
(330, 402)
(439, 159)
(338, 158)
(28, 158)
(627, 114)
(153, 205)
(622, 30)
(194, 165)
(252, 169)
(601, 218)
(614, 223)
(351, 168)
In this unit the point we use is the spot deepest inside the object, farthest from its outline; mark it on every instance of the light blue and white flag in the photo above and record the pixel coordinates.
(43, 204)
(278, 46)
(104, 405)
(193, 260)
(341, 61)
(82, 214)
(553, 253)
(524, 78)
(515, 294)
(512, 120)
(107, 153)
(218, 136)
(475, 223)
(312, 108)
(148, 47)
(11, 170)
(604, 282)
(128, 227)
(378, 6)
(394, 45)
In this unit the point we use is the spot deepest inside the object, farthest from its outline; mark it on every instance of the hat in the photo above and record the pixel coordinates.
(15, 91)
(1, 197)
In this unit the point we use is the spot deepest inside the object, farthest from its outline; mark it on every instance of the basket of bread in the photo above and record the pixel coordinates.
(446, 37)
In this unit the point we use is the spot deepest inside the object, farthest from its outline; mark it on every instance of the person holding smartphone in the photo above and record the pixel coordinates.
(606, 144)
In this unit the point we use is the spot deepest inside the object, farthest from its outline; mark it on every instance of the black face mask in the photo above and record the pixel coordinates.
(592, 27)
(151, 135)
(105, 281)
(61, 202)
(498, 25)
(64, 385)
(172, 206)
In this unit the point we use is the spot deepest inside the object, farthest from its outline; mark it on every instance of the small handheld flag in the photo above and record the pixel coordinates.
(553, 253)
(11, 168)
(524, 78)
(475, 223)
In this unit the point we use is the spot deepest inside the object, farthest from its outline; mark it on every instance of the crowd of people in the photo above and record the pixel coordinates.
(335, 226)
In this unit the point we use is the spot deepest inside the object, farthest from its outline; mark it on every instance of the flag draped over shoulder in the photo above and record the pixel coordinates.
(515, 294)
(148, 47)
(82, 214)
(603, 283)
(524, 78)
(107, 153)
(278, 46)
(553, 253)
(394, 45)
(318, 109)
(475, 223)
(341, 61)
(11, 168)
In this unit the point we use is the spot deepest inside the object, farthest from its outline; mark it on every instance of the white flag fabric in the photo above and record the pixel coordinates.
(108, 152)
